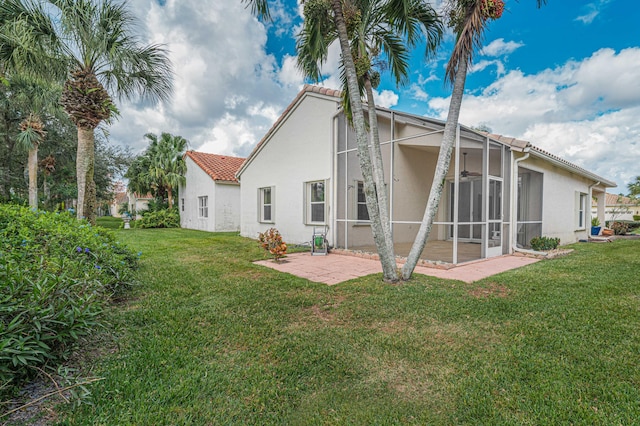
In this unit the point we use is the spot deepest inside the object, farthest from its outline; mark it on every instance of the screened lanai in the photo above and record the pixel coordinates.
(473, 218)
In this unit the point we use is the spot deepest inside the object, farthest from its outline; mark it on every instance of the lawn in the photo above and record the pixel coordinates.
(209, 338)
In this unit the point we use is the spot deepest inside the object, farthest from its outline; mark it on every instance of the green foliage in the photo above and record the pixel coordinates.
(167, 218)
(620, 228)
(544, 243)
(56, 274)
(212, 338)
(595, 221)
(636, 217)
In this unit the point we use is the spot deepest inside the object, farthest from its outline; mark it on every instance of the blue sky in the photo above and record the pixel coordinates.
(565, 77)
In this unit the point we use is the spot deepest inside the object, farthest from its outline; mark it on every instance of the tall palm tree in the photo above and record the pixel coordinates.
(468, 19)
(94, 42)
(634, 187)
(35, 99)
(377, 29)
(167, 166)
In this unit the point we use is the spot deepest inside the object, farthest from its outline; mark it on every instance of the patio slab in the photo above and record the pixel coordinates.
(336, 268)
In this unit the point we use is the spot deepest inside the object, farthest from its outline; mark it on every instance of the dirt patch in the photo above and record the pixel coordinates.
(491, 290)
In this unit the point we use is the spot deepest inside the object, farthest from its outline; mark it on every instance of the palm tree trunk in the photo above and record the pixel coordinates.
(33, 176)
(378, 170)
(84, 171)
(442, 168)
(170, 197)
(389, 268)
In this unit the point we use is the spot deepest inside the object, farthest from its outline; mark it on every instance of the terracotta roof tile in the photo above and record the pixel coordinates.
(218, 167)
(616, 200)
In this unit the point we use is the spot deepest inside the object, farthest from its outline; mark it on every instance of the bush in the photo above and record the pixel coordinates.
(544, 243)
(56, 275)
(272, 242)
(620, 228)
(160, 219)
(636, 217)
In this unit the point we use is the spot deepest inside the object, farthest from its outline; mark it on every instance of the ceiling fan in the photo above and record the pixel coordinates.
(465, 173)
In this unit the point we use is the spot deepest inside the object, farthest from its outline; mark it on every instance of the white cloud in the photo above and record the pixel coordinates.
(386, 98)
(499, 47)
(222, 71)
(592, 10)
(585, 111)
(418, 93)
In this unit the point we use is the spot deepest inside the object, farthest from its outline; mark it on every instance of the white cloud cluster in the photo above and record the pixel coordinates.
(227, 90)
(584, 111)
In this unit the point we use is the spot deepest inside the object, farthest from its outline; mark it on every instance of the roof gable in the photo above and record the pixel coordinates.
(307, 89)
(218, 167)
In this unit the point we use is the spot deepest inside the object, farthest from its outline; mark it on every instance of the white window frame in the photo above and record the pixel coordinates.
(581, 210)
(262, 205)
(361, 221)
(203, 206)
(308, 186)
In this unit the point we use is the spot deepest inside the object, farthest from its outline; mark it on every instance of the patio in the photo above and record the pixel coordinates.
(337, 268)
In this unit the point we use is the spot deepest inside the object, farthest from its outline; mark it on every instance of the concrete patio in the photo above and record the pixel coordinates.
(336, 268)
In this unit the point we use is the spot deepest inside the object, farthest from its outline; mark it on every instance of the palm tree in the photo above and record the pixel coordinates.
(469, 19)
(377, 29)
(167, 166)
(94, 43)
(34, 98)
(634, 187)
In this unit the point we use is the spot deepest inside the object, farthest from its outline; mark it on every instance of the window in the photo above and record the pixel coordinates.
(361, 203)
(182, 204)
(203, 208)
(265, 202)
(581, 199)
(315, 202)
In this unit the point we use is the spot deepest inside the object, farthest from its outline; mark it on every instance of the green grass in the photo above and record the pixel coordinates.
(210, 338)
(109, 222)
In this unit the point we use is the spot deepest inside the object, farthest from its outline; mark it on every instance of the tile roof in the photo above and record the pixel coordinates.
(616, 200)
(218, 167)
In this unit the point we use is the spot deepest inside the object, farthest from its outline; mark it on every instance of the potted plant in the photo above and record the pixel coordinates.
(595, 226)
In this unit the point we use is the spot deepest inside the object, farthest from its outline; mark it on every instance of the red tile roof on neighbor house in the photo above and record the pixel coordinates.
(615, 200)
(218, 167)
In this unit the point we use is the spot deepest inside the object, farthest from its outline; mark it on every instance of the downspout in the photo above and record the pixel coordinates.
(514, 208)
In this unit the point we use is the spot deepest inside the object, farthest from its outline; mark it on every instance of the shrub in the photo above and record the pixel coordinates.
(160, 219)
(544, 243)
(620, 228)
(56, 275)
(636, 217)
(272, 242)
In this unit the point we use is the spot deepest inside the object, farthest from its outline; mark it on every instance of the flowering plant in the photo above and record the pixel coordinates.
(271, 241)
(492, 9)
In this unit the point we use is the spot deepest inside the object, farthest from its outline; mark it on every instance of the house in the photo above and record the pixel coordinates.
(138, 203)
(210, 198)
(120, 199)
(617, 207)
(500, 192)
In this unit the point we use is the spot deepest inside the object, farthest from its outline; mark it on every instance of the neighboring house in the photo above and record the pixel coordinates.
(210, 199)
(120, 200)
(305, 175)
(617, 207)
(138, 203)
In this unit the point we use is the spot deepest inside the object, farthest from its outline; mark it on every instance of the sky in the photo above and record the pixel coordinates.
(565, 77)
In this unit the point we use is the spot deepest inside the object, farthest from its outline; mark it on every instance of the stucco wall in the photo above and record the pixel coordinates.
(559, 207)
(227, 207)
(298, 151)
(223, 202)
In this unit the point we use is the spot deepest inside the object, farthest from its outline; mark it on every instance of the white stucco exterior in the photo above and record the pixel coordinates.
(312, 142)
(297, 150)
(223, 202)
